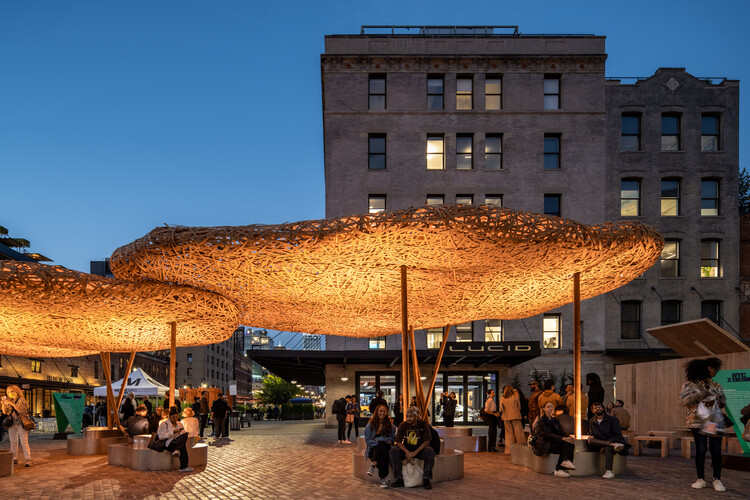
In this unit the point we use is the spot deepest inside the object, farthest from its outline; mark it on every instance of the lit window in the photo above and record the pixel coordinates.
(494, 199)
(493, 330)
(630, 320)
(377, 92)
(551, 151)
(376, 203)
(630, 198)
(435, 151)
(670, 312)
(464, 93)
(434, 338)
(189, 357)
(551, 331)
(670, 197)
(493, 152)
(709, 197)
(435, 199)
(377, 343)
(709, 133)
(493, 93)
(465, 332)
(36, 366)
(552, 204)
(435, 93)
(551, 92)
(670, 259)
(670, 132)
(710, 264)
(464, 145)
(631, 132)
(711, 309)
(376, 152)
(465, 199)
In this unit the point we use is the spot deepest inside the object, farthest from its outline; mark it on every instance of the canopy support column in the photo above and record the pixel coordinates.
(577, 349)
(404, 342)
(446, 330)
(172, 362)
(418, 390)
(122, 388)
(108, 377)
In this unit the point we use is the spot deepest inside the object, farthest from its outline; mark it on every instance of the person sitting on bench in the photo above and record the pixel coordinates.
(606, 436)
(413, 441)
(548, 436)
(138, 423)
(173, 435)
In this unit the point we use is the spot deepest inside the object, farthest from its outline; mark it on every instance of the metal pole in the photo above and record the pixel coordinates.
(404, 342)
(172, 362)
(577, 349)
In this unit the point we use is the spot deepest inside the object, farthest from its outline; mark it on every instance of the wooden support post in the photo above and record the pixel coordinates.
(124, 383)
(577, 349)
(172, 362)
(404, 341)
(446, 330)
(110, 397)
(418, 391)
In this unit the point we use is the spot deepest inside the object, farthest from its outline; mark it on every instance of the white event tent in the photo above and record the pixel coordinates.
(138, 383)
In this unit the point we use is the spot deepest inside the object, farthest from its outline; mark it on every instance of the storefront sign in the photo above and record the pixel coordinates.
(69, 410)
(51, 378)
(510, 348)
(736, 385)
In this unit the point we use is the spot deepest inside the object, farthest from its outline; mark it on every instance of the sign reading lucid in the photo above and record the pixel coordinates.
(509, 347)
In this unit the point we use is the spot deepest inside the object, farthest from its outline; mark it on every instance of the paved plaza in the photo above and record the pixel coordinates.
(295, 460)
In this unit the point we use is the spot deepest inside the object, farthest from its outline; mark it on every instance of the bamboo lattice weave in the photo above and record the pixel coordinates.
(48, 308)
(341, 276)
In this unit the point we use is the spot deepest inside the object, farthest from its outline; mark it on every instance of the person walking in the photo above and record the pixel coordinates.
(491, 417)
(449, 409)
(353, 409)
(702, 397)
(510, 406)
(15, 407)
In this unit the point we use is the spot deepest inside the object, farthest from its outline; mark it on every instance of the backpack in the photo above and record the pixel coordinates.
(338, 407)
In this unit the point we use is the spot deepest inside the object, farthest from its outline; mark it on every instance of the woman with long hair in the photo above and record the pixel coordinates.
(398, 410)
(510, 408)
(548, 436)
(14, 405)
(701, 388)
(380, 434)
(596, 393)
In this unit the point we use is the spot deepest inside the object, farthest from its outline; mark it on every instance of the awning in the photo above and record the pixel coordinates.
(700, 337)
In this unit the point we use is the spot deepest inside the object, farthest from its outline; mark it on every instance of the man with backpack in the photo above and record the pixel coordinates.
(339, 409)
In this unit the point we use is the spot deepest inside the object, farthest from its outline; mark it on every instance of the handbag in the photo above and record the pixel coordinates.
(714, 424)
(155, 443)
(412, 473)
(702, 412)
(7, 422)
(27, 422)
(350, 418)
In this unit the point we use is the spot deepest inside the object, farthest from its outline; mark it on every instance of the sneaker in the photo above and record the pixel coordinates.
(561, 473)
(346, 441)
(187, 469)
(718, 486)
(608, 475)
(698, 484)
(383, 483)
(28, 464)
(399, 483)
(618, 447)
(371, 470)
(567, 464)
(428, 485)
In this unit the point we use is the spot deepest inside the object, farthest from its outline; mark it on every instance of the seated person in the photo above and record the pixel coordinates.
(191, 425)
(621, 414)
(173, 435)
(154, 419)
(413, 441)
(606, 436)
(568, 423)
(138, 423)
(379, 436)
(548, 436)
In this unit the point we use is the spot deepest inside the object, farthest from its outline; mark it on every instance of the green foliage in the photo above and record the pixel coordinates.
(744, 192)
(277, 391)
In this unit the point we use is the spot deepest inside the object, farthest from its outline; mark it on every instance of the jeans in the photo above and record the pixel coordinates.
(379, 455)
(341, 420)
(102, 421)
(566, 451)
(218, 427)
(16, 432)
(609, 451)
(397, 455)
(180, 444)
(491, 432)
(356, 429)
(204, 421)
(713, 443)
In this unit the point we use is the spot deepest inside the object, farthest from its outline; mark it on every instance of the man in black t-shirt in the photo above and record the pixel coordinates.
(219, 410)
(413, 441)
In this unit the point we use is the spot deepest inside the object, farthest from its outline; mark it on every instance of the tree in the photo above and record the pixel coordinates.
(277, 391)
(744, 192)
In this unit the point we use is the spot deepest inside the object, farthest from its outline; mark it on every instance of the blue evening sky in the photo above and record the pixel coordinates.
(117, 117)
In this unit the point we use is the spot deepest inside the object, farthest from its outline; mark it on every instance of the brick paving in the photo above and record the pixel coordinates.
(280, 460)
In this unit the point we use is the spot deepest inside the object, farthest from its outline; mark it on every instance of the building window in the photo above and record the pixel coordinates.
(670, 312)
(96, 369)
(190, 357)
(465, 199)
(709, 133)
(435, 92)
(493, 330)
(73, 371)
(464, 147)
(435, 199)
(493, 152)
(377, 92)
(434, 338)
(711, 309)
(493, 93)
(435, 149)
(494, 200)
(36, 366)
(376, 152)
(552, 204)
(630, 126)
(630, 198)
(709, 197)
(630, 320)
(376, 203)
(551, 92)
(465, 332)
(670, 259)
(464, 98)
(710, 264)
(189, 372)
(670, 197)
(551, 151)
(377, 342)
(670, 132)
(551, 331)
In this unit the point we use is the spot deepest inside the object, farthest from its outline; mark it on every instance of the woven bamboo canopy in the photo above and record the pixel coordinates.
(341, 276)
(53, 311)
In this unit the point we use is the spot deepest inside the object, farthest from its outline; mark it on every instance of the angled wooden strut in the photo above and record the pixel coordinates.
(108, 377)
(122, 389)
(444, 342)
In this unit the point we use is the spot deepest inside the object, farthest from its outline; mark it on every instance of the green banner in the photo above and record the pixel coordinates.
(69, 410)
(736, 385)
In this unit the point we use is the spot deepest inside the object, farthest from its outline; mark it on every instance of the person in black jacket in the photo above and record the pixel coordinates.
(339, 410)
(549, 437)
(377, 401)
(219, 410)
(606, 436)
(596, 392)
(138, 423)
(128, 407)
(449, 408)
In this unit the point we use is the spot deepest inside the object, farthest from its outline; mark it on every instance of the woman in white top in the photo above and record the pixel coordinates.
(191, 425)
(173, 435)
(510, 406)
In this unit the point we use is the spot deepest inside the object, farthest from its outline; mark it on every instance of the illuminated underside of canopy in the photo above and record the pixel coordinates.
(341, 276)
(53, 311)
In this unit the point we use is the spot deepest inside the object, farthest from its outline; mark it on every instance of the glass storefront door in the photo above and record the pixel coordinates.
(470, 389)
(368, 384)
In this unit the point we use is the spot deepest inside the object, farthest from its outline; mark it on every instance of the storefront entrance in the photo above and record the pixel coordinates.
(470, 389)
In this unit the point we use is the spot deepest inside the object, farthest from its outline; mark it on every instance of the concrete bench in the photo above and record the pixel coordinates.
(137, 456)
(362, 445)
(94, 441)
(639, 440)
(462, 438)
(588, 463)
(449, 465)
(6, 463)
